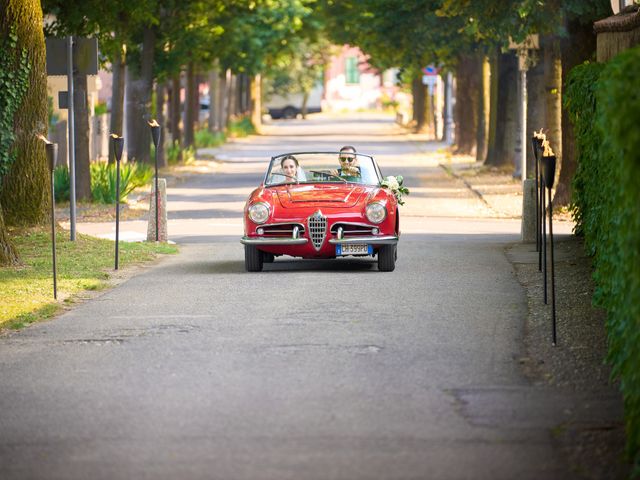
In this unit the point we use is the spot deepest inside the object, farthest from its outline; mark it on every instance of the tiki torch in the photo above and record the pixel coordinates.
(155, 135)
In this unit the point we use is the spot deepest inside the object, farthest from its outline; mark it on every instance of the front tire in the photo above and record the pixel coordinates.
(268, 257)
(387, 258)
(253, 259)
(289, 113)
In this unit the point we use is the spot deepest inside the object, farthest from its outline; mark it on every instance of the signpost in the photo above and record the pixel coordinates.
(430, 79)
(524, 60)
(64, 56)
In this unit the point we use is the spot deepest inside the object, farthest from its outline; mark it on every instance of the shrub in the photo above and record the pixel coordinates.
(61, 183)
(604, 105)
(100, 109)
(103, 180)
(241, 127)
(205, 138)
(176, 154)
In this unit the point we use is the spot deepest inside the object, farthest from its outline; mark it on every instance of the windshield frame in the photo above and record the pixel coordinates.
(274, 161)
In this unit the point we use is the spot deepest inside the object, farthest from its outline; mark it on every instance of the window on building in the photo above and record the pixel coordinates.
(351, 70)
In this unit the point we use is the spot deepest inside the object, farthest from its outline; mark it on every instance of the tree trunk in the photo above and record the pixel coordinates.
(189, 114)
(174, 115)
(245, 95)
(506, 120)
(214, 85)
(575, 49)
(483, 111)
(160, 118)
(8, 254)
(492, 133)
(305, 103)
(221, 108)
(419, 104)
(117, 99)
(553, 96)
(414, 95)
(256, 101)
(467, 98)
(536, 109)
(81, 137)
(24, 192)
(231, 99)
(239, 100)
(139, 87)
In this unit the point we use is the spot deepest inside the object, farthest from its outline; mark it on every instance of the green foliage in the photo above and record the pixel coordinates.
(204, 138)
(176, 154)
(100, 109)
(604, 105)
(580, 102)
(53, 117)
(241, 127)
(14, 74)
(103, 180)
(61, 183)
(173, 153)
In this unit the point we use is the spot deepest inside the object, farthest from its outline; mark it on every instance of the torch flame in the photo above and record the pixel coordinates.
(539, 135)
(114, 136)
(548, 152)
(153, 123)
(43, 138)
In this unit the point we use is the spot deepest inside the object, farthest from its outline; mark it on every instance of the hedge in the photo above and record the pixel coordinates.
(603, 101)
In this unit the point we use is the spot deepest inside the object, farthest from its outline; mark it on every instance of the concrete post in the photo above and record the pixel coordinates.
(162, 213)
(528, 228)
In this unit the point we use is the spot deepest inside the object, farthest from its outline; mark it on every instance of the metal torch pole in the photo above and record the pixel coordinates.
(52, 155)
(117, 208)
(118, 145)
(553, 276)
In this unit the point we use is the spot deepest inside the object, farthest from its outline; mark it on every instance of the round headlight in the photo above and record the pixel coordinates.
(259, 212)
(376, 212)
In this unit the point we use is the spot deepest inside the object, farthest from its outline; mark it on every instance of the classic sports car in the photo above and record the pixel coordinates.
(321, 205)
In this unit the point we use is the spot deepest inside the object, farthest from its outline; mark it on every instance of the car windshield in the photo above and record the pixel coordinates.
(322, 167)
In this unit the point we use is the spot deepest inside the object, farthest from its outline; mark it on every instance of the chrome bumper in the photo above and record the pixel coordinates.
(273, 241)
(382, 240)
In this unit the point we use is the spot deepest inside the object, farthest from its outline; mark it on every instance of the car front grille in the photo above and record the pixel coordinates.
(282, 229)
(317, 229)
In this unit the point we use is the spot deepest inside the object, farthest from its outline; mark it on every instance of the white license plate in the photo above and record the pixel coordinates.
(353, 249)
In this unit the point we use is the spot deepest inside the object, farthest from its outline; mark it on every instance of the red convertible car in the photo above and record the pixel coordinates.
(321, 205)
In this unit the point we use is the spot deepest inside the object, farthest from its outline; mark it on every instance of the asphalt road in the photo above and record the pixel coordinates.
(309, 370)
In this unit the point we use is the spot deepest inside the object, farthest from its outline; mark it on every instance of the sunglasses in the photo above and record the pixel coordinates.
(347, 159)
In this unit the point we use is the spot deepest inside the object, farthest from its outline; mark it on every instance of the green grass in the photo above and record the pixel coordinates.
(26, 291)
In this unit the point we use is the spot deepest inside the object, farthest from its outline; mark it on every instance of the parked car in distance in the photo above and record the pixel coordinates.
(290, 106)
(321, 209)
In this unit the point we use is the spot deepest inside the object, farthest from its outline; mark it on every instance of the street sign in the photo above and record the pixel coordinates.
(85, 56)
(63, 100)
(430, 70)
(429, 80)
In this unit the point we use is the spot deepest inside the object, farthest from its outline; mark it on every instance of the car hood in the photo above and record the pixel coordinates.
(331, 195)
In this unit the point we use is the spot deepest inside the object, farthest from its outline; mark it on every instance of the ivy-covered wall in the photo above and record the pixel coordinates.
(604, 104)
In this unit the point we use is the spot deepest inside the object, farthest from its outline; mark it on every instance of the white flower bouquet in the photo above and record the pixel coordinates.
(395, 185)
